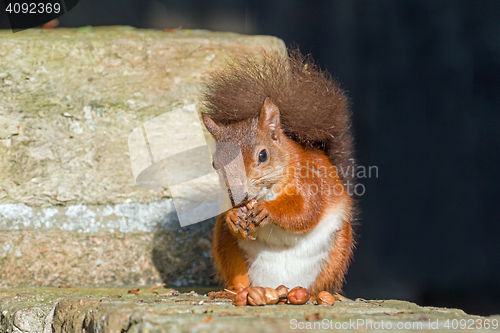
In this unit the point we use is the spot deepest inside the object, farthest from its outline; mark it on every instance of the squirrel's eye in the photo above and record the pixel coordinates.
(213, 165)
(263, 156)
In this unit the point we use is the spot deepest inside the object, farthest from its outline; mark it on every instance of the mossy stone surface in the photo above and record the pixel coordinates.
(69, 98)
(116, 310)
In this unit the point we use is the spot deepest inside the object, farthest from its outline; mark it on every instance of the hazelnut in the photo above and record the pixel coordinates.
(257, 296)
(325, 298)
(299, 295)
(241, 298)
(282, 292)
(272, 296)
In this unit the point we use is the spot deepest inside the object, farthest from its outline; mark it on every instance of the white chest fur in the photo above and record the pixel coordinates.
(280, 257)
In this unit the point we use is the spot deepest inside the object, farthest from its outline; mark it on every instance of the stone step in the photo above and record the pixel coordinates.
(70, 212)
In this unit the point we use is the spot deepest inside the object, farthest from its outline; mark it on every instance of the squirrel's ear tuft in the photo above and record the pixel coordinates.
(269, 118)
(212, 127)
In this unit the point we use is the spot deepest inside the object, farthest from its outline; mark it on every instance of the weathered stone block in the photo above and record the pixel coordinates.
(70, 212)
(115, 310)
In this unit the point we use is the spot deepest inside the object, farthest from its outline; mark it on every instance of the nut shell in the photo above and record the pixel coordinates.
(325, 298)
(272, 296)
(241, 298)
(299, 295)
(256, 296)
(282, 292)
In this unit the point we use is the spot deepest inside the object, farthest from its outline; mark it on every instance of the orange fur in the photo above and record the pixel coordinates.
(229, 260)
(333, 274)
(297, 211)
(302, 127)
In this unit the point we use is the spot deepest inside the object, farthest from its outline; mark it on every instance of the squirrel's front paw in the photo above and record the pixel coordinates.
(236, 220)
(257, 216)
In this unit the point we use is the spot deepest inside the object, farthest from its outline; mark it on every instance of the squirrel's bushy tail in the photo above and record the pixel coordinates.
(314, 110)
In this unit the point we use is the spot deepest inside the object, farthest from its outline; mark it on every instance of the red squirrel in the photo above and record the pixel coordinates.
(291, 122)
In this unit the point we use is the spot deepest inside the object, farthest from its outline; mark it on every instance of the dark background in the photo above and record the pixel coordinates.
(424, 79)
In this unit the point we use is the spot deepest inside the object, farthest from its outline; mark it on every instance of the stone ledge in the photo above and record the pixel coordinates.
(174, 255)
(115, 310)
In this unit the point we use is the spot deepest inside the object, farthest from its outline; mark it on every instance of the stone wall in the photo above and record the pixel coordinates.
(70, 212)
